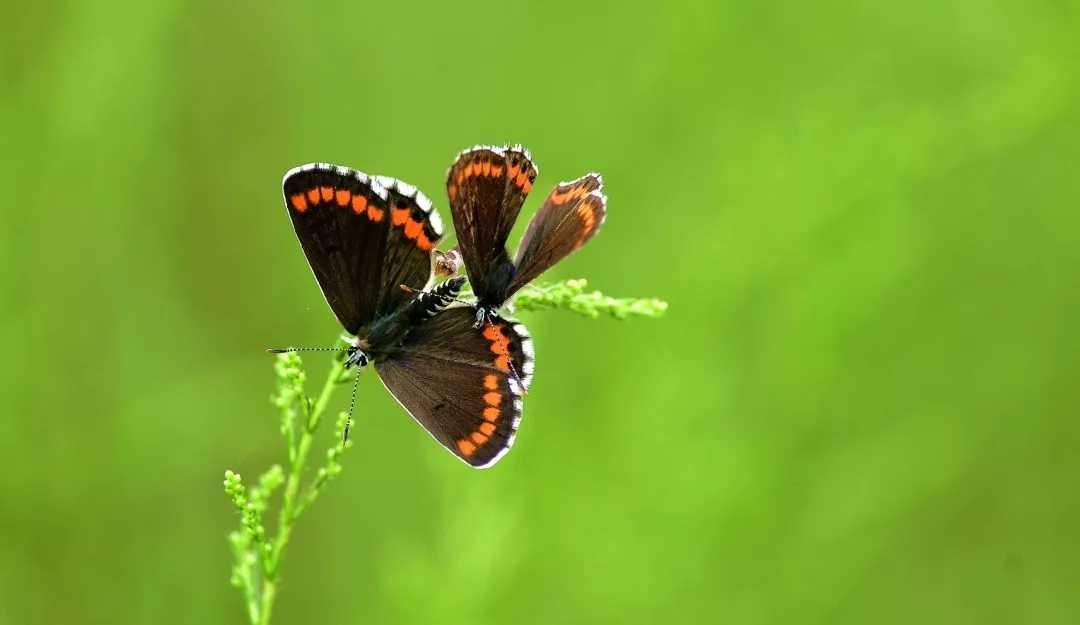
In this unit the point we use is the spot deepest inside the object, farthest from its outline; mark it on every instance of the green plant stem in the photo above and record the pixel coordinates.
(288, 514)
(269, 593)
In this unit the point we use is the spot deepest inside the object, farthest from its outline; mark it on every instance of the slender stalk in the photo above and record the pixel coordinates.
(287, 515)
(269, 593)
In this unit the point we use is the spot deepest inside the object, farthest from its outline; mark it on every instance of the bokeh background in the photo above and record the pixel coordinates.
(861, 406)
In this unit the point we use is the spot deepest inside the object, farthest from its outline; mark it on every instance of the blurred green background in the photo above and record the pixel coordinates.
(861, 406)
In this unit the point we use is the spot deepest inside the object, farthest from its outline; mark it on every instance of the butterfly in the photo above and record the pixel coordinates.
(487, 186)
(367, 240)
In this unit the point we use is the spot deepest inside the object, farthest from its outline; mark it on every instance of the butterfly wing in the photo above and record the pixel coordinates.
(487, 186)
(462, 385)
(363, 236)
(568, 218)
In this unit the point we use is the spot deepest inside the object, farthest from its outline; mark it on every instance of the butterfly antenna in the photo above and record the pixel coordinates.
(285, 350)
(352, 404)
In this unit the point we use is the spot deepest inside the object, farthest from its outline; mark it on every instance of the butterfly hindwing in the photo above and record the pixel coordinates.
(487, 186)
(571, 215)
(463, 385)
(361, 234)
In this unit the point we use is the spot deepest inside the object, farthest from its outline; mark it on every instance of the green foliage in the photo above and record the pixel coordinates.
(570, 295)
(256, 556)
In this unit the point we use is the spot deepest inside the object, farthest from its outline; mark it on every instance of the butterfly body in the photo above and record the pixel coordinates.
(385, 336)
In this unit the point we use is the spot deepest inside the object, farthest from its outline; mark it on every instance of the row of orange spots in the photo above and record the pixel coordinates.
(570, 194)
(491, 413)
(414, 230)
(343, 197)
(520, 176)
(360, 205)
(489, 169)
(500, 346)
(467, 446)
(479, 168)
(585, 212)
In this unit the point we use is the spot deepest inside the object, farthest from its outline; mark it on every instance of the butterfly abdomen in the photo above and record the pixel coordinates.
(427, 303)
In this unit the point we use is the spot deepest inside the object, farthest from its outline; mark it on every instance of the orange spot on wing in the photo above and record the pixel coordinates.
(466, 447)
(478, 438)
(493, 398)
(313, 196)
(491, 381)
(342, 196)
(413, 228)
(527, 186)
(565, 196)
(399, 216)
(327, 193)
(487, 168)
(423, 243)
(522, 178)
(452, 190)
(496, 170)
(299, 202)
(375, 213)
(491, 413)
(359, 204)
(585, 212)
(587, 221)
(502, 363)
(487, 428)
(501, 347)
(493, 332)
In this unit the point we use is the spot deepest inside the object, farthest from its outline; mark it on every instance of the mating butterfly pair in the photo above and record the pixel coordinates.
(460, 371)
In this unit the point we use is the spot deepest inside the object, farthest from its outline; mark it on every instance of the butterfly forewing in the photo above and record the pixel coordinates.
(463, 385)
(362, 236)
(487, 186)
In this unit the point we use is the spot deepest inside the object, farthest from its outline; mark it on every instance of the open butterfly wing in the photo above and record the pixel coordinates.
(463, 385)
(363, 237)
(570, 216)
(487, 186)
